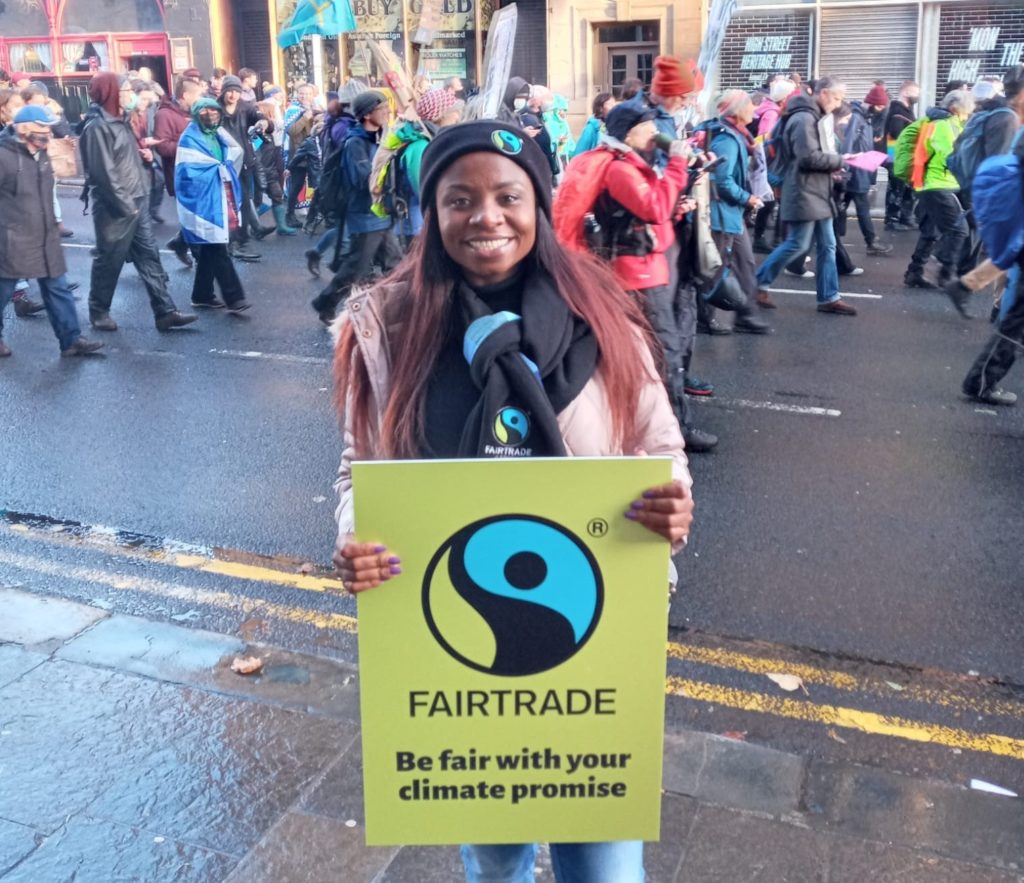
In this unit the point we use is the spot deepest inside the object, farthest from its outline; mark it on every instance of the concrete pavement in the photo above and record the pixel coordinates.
(130, 751)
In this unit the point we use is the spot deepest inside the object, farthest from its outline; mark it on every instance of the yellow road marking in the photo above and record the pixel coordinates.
(188, 594)
(847, 718)
(254, 572)
(729, 659)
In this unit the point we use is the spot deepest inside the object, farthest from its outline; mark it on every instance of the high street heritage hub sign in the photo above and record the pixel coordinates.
(512, 678)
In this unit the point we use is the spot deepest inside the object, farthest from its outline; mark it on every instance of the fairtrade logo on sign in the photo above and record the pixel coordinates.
(511, 427)
(513, 595)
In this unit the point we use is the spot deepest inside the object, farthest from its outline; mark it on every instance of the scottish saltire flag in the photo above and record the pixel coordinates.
(328, 18)
(199, 179)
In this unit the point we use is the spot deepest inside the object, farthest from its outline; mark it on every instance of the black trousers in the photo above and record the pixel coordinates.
(118, 240)
(1002, 349)
(366, 249)
(899, 202)
(862, 203)
(665, 312)
(213, 263)
(943, 230)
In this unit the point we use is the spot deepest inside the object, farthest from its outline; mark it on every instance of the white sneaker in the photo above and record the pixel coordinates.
(856, 271)
(806, 274)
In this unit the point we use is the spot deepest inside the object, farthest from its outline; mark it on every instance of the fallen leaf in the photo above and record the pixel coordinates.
(789, 683)
(980, 785)
(898, 687)
(306, 568)
(246, 665)
(738, 735)
(835, 737)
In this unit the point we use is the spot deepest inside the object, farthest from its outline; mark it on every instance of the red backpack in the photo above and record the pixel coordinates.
(577, 195)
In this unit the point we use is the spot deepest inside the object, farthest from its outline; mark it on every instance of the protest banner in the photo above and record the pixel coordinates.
(512, 677)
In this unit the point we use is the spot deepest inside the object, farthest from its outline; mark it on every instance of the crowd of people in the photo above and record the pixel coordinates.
(677, 206)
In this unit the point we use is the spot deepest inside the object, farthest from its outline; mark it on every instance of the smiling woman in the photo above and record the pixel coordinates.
(491, 340)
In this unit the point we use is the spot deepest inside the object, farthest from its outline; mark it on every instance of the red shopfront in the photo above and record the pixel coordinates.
(64, 42)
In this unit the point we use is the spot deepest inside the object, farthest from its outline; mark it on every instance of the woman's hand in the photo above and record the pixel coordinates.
(666, 510)
(363, 566)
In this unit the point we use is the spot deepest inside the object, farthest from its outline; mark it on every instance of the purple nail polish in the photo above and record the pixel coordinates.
(637, 504)
(394, 559)
(395, 569)
(631, 515)
(649, 495)
(379, 549)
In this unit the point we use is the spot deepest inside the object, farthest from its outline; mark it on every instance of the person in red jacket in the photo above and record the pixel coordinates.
(171, 119)
(637, 210)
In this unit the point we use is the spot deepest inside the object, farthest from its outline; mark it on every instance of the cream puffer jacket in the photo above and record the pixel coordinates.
(586, 427)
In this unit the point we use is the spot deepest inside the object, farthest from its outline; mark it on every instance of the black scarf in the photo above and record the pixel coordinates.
(527, 369)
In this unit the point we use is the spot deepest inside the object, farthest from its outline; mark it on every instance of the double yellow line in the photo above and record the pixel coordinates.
(804, 710)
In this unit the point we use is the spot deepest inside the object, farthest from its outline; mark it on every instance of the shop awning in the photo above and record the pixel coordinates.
(326, 18)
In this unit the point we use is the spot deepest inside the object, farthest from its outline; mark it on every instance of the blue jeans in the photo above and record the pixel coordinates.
(620, 861)
(798, 242)
(59, 303)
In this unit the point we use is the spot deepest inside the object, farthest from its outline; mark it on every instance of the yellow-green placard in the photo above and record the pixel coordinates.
(512, 677)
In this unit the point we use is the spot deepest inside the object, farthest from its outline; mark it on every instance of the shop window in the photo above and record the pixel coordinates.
(20, 19)
(759, 44)
(90, 16)
(81, 56)
(32, 58)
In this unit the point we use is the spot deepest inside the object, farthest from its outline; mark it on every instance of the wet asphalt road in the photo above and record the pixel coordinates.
(886, 532)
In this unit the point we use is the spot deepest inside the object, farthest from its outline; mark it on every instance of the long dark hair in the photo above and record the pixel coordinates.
(416, 299)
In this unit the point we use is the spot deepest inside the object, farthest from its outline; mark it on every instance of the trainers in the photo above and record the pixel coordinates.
(879, 250)
(241, 253)
(764, 300)
(5, 350)
(697, 441)
(694, 386)
(837, 308)
(996, 396)
(916, 280)
(25, 307)
(180, 249)
(65, 233)
(174, 320)
(856, 271)
(749, 325)
(82, 347)
(239, 306)
(313, 262)
(897, 227)
(803, 274)
(103, 323)
(714, 328)
(959, 294)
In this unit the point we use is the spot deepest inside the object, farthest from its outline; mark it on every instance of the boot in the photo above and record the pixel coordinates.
(291, 221)
(761, 247)
(283, 227)
(24, 307)
(959, 294)
(746, 323)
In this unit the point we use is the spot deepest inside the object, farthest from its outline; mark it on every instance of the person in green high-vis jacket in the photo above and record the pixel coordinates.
(943, 221)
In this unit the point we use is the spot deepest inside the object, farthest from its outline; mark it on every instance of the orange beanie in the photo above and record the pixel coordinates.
(675, 77)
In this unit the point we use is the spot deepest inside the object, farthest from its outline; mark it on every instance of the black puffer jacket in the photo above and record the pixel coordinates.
(29, 239)
(117, 180)
(807, 182)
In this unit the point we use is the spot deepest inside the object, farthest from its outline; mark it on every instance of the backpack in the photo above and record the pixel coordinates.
(578, 195)
(775, 154)
(967, 153)
(906, 164)
(395, 189)
(997, 200)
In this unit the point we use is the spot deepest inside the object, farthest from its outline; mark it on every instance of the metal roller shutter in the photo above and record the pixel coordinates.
(868, 43)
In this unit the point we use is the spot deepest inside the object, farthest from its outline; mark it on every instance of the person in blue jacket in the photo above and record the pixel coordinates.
(373, 240)
(859, 138)
(731, 140)
(591, 134)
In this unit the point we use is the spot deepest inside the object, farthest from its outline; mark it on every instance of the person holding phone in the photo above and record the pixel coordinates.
(487, 311)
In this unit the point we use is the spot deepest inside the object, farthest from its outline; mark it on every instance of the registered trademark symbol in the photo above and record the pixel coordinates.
(598, 527)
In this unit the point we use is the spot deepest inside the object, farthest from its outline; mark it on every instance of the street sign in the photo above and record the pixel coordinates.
(512, 677)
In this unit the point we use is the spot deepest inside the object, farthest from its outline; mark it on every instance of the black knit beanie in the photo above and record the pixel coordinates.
(489, 136)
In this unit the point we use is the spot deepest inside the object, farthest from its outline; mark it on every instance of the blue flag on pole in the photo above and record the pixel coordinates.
(328, 18)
